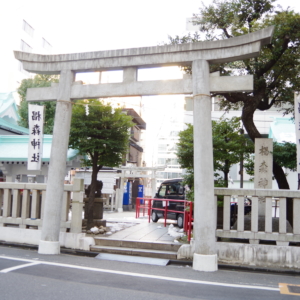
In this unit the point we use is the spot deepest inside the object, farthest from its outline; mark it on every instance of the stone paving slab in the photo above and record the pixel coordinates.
(133, 259)
(143, 231)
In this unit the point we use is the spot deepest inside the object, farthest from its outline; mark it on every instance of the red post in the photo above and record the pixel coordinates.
(166, 212)
(149, 209)
(137, 209)
(190, 221)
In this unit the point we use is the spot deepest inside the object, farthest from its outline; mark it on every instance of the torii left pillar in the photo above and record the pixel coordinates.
(205, 256)
(49, 243)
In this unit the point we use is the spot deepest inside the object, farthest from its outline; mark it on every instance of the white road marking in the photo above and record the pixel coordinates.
(19, 267)
(175, 279)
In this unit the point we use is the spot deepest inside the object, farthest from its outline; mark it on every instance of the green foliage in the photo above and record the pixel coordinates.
(102, 135)
(285, 154)
(276, 70)
(225, 19)
(229, 147)
(277, 67)
(249, 167)
(189, 180)
(185, 148)
(37, 81)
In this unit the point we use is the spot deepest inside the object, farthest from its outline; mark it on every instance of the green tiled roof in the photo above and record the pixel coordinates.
(6, 101)
(15, 148)
(13, 128)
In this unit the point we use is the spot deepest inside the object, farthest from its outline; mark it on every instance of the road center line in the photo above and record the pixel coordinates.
(19, 267)
(175, 279)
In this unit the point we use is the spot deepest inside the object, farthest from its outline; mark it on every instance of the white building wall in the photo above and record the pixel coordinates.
(164, 116)
(17, 35)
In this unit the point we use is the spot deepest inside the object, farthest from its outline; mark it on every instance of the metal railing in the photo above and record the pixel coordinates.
(260, 224)
(146, 206)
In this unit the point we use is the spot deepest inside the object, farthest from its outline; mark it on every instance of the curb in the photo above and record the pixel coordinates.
(171, 261)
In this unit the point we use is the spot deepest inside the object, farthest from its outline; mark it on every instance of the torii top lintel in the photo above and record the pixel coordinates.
(237, 48)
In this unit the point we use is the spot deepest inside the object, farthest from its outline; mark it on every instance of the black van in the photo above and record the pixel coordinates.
(170, 189)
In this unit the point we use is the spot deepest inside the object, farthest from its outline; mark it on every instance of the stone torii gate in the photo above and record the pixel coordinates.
(200, 84)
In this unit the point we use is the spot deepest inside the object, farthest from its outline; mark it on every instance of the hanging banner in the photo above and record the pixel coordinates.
(35, 144)
(297, 128)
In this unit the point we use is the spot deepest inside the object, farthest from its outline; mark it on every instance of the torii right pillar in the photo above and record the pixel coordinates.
(205, 255)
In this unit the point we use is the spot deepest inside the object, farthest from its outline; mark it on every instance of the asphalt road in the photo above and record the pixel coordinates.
(24, 274)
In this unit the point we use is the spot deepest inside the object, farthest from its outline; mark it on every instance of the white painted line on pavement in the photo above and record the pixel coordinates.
(19, 267)
(175, 279)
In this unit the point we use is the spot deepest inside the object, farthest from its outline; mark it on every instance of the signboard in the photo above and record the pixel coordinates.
(141, 193)
(297, 124)
(35, 144)
(127, 193)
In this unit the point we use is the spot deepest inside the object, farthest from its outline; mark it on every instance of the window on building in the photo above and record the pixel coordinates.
(161, 161)
(174, 133)
(169, 175)
(167, 161)
(27, 28)
(174, 161)
(25, 47)
(162, 147)
(46, 45)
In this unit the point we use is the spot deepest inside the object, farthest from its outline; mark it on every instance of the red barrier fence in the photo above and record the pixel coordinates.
(145, 205)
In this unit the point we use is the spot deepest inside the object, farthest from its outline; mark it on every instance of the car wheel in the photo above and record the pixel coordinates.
(180, 220)
(154, 217)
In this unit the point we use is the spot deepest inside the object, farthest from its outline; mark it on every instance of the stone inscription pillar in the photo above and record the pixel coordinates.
(263, 169)
(49, 243)
(205, 257)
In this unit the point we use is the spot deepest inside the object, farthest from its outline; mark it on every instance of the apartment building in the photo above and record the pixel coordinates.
(17, 33)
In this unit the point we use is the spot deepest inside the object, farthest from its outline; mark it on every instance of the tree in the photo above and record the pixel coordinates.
(185, 154)
(101, 136)
(229, 147)
(275, 71)
(37, 81)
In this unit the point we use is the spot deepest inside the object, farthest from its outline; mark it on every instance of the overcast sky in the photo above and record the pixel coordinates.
(91, 25)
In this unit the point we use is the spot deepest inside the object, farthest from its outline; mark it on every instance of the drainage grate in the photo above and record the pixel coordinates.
(289, 289)
(294, 289)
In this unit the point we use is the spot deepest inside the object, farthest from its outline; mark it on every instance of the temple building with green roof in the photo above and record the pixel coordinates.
(14, 146)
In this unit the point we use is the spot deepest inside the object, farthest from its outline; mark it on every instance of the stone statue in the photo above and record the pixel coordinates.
(99, 185)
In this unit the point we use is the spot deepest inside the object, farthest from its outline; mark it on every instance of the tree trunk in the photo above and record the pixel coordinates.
(284, 185)
(226, 172)
(247, 119)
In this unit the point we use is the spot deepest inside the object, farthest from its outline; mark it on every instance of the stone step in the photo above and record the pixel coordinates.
(135, 252)
(161, 246)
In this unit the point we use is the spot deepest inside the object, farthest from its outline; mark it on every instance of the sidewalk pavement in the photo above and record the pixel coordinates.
(141, 229)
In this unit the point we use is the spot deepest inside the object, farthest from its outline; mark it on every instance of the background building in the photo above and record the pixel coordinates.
(17, 33)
